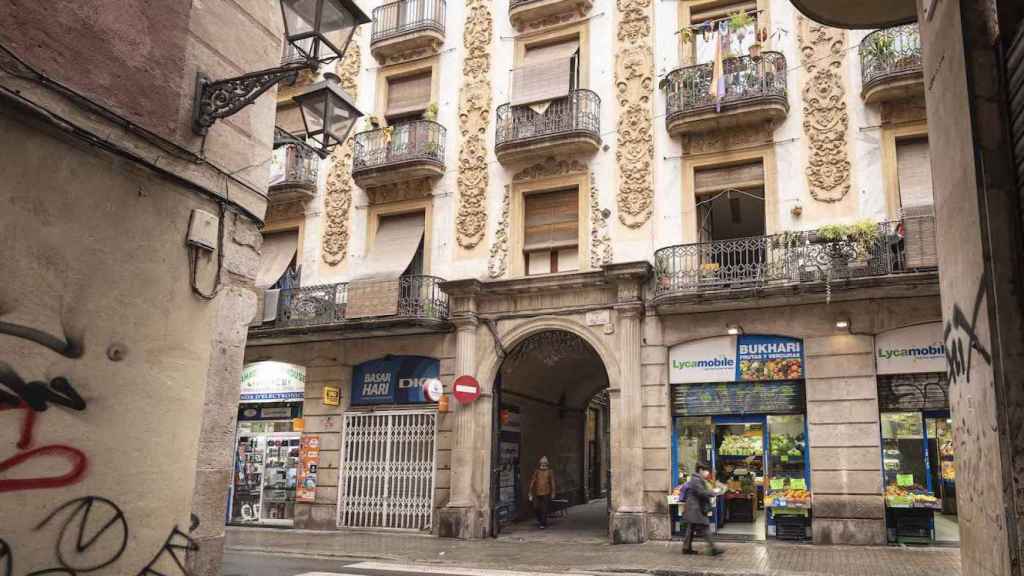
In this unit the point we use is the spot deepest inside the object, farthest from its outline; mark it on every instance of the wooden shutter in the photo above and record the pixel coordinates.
(408, 94)
(915, 173)
(1015, 83)
(546, 72)
(551, 220)
(737, 177)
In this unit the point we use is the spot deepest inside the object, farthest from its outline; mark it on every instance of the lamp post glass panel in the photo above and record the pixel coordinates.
(327, 113)
(312, 23)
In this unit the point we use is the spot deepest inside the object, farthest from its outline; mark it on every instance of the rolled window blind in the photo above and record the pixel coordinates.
(408, 94)
(546, 73)
(720, 10)
(551, 220)
(915, 173)
(738, 177)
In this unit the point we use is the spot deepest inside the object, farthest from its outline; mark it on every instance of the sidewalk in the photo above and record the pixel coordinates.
(586, 555)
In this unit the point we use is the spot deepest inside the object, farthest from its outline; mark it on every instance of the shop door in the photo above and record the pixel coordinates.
(387, 470)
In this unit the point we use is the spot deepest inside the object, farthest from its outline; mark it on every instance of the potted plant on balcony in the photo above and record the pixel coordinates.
(850, 246)
(739, 22)
(662, 272)
(755, 47)
(880, 50)
(431, 112)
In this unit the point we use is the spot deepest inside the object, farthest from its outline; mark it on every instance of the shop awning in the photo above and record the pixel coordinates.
(277, 253)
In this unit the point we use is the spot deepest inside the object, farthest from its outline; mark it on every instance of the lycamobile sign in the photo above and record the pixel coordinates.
(911, 350)
(732, 359)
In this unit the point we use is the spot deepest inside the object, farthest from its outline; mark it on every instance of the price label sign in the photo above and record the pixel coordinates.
(777, 483)
(904, 479)
(797, 484)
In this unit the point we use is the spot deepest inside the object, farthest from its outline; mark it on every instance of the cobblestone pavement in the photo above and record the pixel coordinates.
(587, 556)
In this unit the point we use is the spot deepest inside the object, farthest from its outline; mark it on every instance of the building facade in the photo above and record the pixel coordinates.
(643, 228)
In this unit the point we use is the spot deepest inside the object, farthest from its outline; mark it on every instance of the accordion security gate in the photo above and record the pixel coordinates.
(387, 470)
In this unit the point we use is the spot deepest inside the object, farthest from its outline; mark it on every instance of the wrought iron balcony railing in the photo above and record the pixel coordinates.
(689, 89)
(419, 298)
(890, 52)
(417, 141)
(405, 16)
(294, 166)
(900, 246)
(577, 113)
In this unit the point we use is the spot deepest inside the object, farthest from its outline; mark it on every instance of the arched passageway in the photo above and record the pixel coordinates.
(552, 401)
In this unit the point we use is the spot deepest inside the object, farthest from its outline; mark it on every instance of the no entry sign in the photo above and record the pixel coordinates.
(466, 389)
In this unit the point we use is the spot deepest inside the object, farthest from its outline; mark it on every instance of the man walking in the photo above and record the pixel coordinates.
(698, 496)
(542, 489)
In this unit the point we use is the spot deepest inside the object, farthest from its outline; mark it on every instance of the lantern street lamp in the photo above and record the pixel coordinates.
(328, 114)
(319, 32)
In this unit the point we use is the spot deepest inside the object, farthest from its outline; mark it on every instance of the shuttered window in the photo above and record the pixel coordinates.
(548, 71)
(408, 94)
(915, 173)
(551, 231)
(736, 177)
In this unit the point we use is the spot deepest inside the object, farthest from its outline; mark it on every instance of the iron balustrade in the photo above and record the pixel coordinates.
(294, 165)
(419, 298)
(900, 246)
(689, 89)
(579, 111)
(890, 51)
(419, 140)
(397, 18)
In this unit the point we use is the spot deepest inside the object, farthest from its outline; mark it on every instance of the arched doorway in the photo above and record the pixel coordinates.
(551, 399)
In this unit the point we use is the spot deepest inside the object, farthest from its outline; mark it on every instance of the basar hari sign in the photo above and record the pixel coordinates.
(737, 358)
(394, 380)
(272, 381)
(914, 349)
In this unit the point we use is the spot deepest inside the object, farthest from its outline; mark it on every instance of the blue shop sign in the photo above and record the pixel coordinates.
(762, 358)
(393, 380)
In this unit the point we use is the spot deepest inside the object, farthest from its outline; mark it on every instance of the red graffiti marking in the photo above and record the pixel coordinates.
(74, 456)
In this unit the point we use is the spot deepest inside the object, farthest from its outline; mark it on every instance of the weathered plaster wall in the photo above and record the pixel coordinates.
(96, 260)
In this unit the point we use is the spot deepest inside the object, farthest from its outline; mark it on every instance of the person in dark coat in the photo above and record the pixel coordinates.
(697, 496)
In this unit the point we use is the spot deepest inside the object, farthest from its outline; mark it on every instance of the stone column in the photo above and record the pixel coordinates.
(463, 516)
(627, 523)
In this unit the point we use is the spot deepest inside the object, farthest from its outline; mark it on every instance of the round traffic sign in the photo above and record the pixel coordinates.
(433, 389)
(466, 389)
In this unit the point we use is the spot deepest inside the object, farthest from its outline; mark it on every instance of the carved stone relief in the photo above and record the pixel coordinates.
(724, 140)
(904, 110)
(414, 54)
(600, 241)
(338, 194)
(405, 190)
(548, 167)
(634, 82)
(498, 263)
(277, 211)
(474, 117)
(826, 121)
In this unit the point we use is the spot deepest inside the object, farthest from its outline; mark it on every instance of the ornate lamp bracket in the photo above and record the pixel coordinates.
(216, 99)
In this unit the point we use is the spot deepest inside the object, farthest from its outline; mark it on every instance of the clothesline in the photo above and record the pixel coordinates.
(706, 23)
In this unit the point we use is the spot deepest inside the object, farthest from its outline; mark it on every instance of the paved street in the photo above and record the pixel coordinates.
(342, 553)
(255, 564)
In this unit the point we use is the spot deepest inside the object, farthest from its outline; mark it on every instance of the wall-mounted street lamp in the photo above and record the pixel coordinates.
(319, 31)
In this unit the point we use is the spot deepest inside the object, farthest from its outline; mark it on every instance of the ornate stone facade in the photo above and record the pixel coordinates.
(414, 54)
(498, 263)
(600, 241)
(826, 121)
(338, 195)
(723, 140)
(474, 117)
(634, 82)
(405, 190)
(548, 167)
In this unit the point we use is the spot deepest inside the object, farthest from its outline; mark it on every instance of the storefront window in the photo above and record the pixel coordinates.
(904, 460)
(266, 465)
(693, 445)
(787, 463)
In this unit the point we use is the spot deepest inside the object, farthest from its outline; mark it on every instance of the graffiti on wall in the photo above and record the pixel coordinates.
(37, 396)
(961, 337)
(92, 533)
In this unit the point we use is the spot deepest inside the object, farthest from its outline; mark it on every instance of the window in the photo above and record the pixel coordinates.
(551, 231)
(408, 96)
(716, 17)
(548, 71)
(915, 173)
(730, 201)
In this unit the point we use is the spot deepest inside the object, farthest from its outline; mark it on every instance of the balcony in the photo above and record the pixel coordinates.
(521, 12)
(754, 93)
(786, 265)
(421, 304)
(405, 26)
(293, 173)
(407, 151)
(570, 125)
(890, 64)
